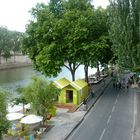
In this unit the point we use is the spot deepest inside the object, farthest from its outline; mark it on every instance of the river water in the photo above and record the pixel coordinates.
(11, 79)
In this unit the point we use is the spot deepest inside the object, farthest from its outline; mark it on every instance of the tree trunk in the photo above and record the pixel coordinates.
(98, 70)
(86, 72)
(73, 74)
(14, 57)
(72, 67)
(0, 58)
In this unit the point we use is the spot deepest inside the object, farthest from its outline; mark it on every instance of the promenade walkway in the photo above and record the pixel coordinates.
(65, 122)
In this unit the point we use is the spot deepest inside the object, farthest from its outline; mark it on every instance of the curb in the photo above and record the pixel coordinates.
(14, 65)
(72, 129)
(101, 93)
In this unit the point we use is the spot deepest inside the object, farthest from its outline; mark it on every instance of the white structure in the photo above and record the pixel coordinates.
(14, 116)
(31, 119)
(15, 108)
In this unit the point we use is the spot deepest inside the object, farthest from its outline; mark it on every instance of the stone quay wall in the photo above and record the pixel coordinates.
(15, 62)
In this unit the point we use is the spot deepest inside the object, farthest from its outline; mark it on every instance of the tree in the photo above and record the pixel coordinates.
(56, 6)
(41, 94)
(3, 40)
(9, 41)
(5, 43)
(55, 41)
(4, 123)
(124, 32)
(15, 44)
(20, 99)
(97, 45)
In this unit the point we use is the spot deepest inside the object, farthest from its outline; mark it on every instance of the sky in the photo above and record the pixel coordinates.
(14, 14)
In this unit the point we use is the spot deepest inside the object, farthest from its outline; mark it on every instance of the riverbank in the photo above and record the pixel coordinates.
(14, 65)
(15, 62)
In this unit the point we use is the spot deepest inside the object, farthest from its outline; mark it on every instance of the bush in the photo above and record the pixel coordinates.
(52, 111)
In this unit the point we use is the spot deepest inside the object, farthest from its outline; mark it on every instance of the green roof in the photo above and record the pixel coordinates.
(61, 83)
(78, 84)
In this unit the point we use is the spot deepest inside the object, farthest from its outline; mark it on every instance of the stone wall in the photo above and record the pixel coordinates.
(15, 62)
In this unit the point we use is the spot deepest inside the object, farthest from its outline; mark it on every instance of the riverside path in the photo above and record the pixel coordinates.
(110, 119)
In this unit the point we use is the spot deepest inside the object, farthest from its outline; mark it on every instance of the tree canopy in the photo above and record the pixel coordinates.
(63, 34)
(54, 41)
(124, 32)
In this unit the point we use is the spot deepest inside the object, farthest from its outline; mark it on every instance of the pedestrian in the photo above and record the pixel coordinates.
(85, 103)
(92, 94)
(112, 74)
(127, 85)
(103, 81)
(114, 84)
(119, 85)
(123, 84)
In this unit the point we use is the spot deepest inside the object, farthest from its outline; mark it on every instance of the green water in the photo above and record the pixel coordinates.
(13, 78)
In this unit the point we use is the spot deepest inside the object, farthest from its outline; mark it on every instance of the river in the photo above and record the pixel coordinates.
(11, 79)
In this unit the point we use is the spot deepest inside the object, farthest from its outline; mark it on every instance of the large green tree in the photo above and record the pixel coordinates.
(55, 41)
(125, 32)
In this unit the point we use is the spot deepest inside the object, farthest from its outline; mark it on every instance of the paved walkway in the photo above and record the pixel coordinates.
(65, 122)
(136, 126)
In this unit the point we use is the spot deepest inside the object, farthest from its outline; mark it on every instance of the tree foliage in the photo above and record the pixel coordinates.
(41, 94)
(65, 33)
(4, 123)
(20, 99)
(9, 42)
(97, 48)
(125, 28)
(55, 41)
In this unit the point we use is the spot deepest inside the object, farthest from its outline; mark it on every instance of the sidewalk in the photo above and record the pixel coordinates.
(136, 133)
(64, 123)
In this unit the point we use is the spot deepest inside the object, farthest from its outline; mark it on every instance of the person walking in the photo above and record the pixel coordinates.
(123, 84)
(85, 103)
(127, 85)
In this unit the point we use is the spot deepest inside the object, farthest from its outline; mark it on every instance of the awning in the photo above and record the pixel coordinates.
(15, 108)
(31, 119)
(14, 116)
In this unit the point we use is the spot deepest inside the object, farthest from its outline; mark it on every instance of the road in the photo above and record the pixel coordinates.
(110, 119)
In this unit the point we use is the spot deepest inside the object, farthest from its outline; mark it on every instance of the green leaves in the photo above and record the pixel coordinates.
(124, 22)
(9, 42)
(64, 32)
(41, 94)
(55, 35)
(4, 123)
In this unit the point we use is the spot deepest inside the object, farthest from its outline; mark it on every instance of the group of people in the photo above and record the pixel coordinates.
(123, 83)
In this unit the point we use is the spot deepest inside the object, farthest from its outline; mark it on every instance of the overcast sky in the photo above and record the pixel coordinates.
(15, 13)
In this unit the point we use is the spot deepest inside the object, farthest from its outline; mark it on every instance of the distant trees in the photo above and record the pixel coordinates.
(9, 42)
(125, 32)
